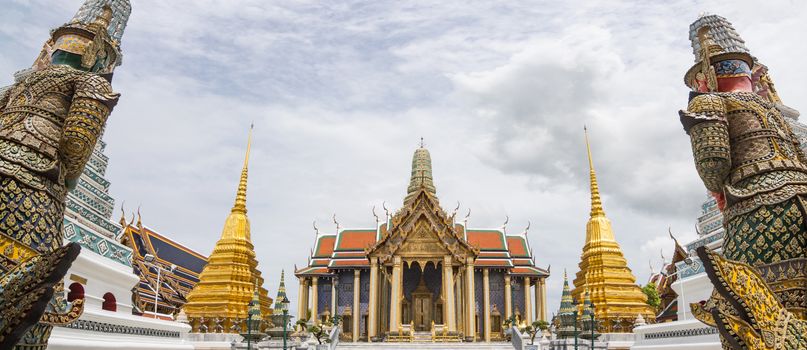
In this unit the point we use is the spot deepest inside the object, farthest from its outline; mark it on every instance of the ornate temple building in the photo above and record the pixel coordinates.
(663, 280)
(604, 271)
(420, 269)
(219, 301)
(180, 268)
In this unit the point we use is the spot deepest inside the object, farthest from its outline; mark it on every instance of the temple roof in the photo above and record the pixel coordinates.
(349, 248)
(175, 286)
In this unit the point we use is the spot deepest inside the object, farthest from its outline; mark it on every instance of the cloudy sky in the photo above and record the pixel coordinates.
(341, 92)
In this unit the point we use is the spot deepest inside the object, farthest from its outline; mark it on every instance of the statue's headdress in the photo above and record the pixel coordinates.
(719, 53)
(99, 53)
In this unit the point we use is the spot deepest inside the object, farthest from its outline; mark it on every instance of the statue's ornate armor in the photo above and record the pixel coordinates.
(49, 124)
(745, 151)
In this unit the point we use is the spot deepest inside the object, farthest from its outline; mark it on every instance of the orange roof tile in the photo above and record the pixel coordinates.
(355, 239)
(486, 239)
(517, 246)
(324, 247)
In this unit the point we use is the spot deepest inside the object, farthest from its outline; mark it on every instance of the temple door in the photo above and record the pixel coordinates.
(423, 306)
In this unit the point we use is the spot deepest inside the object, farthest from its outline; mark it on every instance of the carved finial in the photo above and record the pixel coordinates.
(336, 222)
(527, 229)
(376, 216)
(386, 211)
(122, 214)
(316, 229)
(139, 222)
(454, 212)
(422, 144)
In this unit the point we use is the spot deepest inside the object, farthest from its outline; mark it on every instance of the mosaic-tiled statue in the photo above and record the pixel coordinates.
(50, 121)
(749, 158)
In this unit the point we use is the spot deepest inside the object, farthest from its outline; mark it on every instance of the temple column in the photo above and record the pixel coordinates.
(460, 295)
(334, 281)
(372, 310)
(395, 295)
(508, 296)
(537, 305)
(527, 301)
(486, 291)
(315, 299)
(448, 287)
(470, 300)
(302, 299)
(356, 305)
(543, 300)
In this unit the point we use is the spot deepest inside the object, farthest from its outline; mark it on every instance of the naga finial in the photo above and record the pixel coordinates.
(376, 216)
(336, 222)
(316, 229)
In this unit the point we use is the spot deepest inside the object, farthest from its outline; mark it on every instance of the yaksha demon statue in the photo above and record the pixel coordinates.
(50, 121)
(749, 158)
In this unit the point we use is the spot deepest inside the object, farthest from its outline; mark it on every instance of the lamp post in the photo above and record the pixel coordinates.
(592, 328)
(575, 328)
(285, 303)
(150, 260)
(249, 326)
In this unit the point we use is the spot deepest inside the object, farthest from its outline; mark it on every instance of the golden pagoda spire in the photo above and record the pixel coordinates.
(596, 202)
(240, 205)
(231, 277)
(604, 276)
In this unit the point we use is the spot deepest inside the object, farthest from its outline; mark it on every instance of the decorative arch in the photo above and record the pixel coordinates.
(110, 303)
(76, 292)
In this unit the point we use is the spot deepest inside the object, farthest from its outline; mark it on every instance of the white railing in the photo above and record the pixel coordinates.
(516, 339)
(334, 337)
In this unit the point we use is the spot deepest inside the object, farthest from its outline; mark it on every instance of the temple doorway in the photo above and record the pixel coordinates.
(422, 307)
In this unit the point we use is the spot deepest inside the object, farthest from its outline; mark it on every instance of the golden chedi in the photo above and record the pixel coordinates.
(219, 302)
(604, 272)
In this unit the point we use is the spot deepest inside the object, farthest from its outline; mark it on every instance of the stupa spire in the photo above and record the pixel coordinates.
(421, 177)
(231, 278)
(604, 272)
(596, 202)
(281, 294)
(240, 205)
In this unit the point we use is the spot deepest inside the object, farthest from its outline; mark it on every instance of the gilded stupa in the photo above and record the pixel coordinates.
(220, 301)
(604, 271)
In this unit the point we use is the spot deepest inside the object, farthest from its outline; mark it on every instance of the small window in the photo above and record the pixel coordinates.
(110, 304)
(76, 292)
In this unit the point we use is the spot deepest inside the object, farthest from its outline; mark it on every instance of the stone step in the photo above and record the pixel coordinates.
(425, 346)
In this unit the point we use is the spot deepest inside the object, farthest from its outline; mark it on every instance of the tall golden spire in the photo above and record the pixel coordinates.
(604, 274)
(231, 278)
(240, 205)
(596, 202)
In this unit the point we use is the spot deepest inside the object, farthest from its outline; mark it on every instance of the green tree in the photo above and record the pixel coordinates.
(652, 295)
